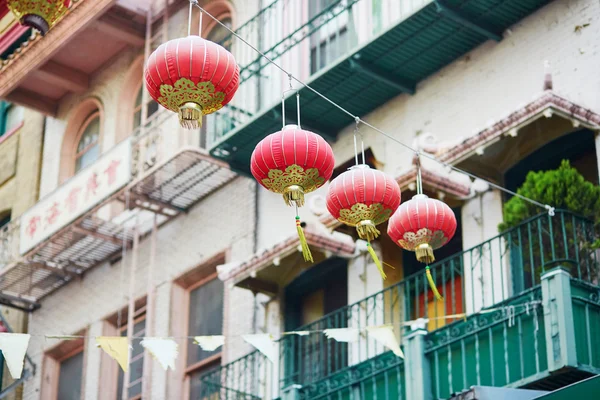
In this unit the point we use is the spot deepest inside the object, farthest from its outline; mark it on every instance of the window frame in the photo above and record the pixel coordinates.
(78, 154)
(140, 108)
(206, 363)
(54, 357)
(198, 276)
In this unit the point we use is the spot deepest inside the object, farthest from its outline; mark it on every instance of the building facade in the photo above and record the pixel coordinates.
(120, 222)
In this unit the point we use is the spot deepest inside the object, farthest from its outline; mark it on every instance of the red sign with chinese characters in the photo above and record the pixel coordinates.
(88, 188)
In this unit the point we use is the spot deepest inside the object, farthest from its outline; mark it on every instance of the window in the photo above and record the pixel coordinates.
(220, 35)
(205, 318)
(136, 362)
(330, 40)
(88, 147)
(11, 117)
(222, 122)
(63, 370)
(151, 108)
(70, 377)
(314, 293)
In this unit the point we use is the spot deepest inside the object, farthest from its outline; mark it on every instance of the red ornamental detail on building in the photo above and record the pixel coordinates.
(193, 77)
(39, 14)
(293, 162)
(364, 198)
(422, 225)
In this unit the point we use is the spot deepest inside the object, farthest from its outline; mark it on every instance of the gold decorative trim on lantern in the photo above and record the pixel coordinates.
(362, 212)
(49, 12)
(411, 241)
(293, 183)
(191, 101)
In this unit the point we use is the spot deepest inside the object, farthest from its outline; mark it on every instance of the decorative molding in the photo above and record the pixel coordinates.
(544, 105)
(38, 51)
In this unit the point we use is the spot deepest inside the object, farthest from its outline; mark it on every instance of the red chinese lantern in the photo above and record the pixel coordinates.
(423, 225)
(364, 198)
(193, 77)
(39, 14)
(293, 162)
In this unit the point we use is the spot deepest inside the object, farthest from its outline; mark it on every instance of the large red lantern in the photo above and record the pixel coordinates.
(423, 225)
(39, 14)
(193, 77)
(293, 162)
(364, 198)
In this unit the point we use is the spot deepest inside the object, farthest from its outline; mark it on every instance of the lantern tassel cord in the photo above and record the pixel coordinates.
(376, 260)
(550, 209)
(434, 289)
(305, 249)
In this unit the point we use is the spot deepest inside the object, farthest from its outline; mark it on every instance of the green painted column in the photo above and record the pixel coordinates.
(558, 319)
(416, 366)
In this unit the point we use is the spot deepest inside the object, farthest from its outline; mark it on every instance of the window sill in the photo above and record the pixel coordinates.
(202, 364)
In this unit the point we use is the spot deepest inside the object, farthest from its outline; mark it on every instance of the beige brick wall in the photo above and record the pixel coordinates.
(182, 245)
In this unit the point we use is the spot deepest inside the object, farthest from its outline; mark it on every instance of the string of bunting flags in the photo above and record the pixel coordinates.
(166, 349)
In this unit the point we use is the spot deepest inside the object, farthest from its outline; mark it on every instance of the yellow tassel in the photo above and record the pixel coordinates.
(305, 249)
(367, 230)
(376, 260)
(432, 284)
(293, 195)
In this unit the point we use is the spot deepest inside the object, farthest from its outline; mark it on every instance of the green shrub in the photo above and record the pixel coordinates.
(563, 188)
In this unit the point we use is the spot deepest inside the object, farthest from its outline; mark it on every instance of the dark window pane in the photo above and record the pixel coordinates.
(69, 379)
(201, 390)
(152, 107)
(205, 318)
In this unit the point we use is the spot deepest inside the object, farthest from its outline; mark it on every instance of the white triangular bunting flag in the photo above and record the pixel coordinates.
(265, 344)
(300, 333)
(116, 347)
(209, 343)
(163, 350)
(14, 348)
(342, 334)
(385, 335)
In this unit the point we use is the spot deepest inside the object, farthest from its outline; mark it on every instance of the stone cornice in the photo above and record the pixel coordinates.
(39, 51)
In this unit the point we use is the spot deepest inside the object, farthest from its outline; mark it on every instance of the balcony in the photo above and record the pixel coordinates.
(539, 346)
(37, 72)
(358, 53)
(79, 226)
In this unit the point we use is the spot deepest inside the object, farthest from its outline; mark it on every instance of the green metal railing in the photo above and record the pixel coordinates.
(303, 37)
(490, 349)
(586, 318)
(505, 269)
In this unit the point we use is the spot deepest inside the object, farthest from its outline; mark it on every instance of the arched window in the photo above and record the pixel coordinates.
(151, 108)
(219, 34)
(88, 148)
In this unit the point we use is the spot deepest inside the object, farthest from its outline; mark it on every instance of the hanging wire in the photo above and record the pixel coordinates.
(390, 137)
(419, 178)
(123, 254)
(200, 24)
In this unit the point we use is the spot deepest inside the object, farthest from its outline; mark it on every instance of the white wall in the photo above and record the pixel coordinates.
(491, 81)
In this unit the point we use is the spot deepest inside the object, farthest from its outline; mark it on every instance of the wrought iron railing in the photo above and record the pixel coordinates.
(303, 37)
(504, 269)
(498, 348)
